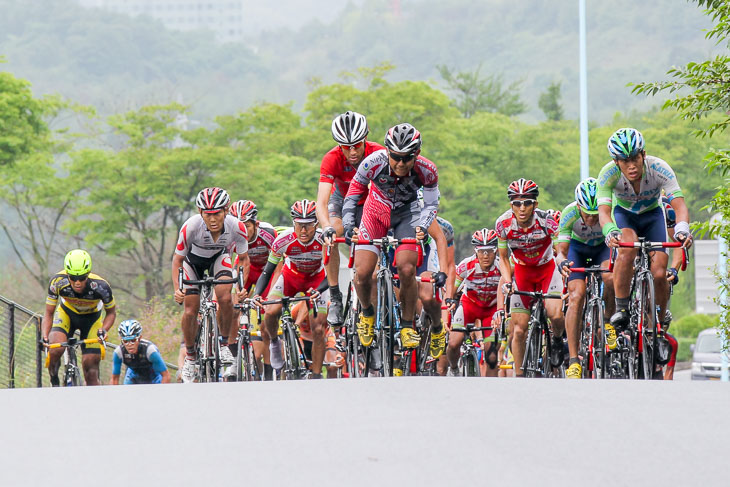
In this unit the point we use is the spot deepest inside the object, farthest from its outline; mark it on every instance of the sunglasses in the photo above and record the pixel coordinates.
(486, 251)
(353, 146)
(130, 339)
(403, 157)
(78, 278)
(521, 203)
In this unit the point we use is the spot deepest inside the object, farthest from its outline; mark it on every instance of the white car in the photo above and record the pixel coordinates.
(707, 355)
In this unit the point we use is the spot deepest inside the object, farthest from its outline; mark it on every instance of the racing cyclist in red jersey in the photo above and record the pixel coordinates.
(204, 244)
(302, 250)
(528, 233)
(394, 176)
(350, 131)
(261, 236)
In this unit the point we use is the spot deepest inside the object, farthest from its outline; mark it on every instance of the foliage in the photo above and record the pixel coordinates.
(691, 325)
(703, 88)
(475, 94)
(549, 102)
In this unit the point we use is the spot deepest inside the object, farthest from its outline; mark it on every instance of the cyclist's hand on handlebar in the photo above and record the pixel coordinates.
(613, 238)
(439, 279)
(685, 238)
(453, 303)
(420, 234)
(179, 296)
(313, 294)
(44, 341)
(564, 267)
(241, 295)
(101, 333)
(507, 288)
(328, 234)
(256, 301)
(351, 235)
(673, 276)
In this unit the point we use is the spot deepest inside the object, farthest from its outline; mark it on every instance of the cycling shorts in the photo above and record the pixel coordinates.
(220, 267)
(131, 377)
(67, 322)
(579, 253)
(469, 312)
(378, 218)
(651, 225)
(545, 278)
(290, 283)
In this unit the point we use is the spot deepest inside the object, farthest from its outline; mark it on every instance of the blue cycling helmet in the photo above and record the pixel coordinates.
(586, 195)
(130, 330)
(625, 143)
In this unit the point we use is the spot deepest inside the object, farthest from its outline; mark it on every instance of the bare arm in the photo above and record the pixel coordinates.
(47, 321)
(504, 266)
(177, 262)
(323, 197)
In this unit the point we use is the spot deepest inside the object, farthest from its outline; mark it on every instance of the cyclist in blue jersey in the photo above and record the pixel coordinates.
(142, 358)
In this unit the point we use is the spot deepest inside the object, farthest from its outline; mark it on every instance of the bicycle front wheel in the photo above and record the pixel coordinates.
(72, 374)
(647, 336)
(386, 333)
(533, 350)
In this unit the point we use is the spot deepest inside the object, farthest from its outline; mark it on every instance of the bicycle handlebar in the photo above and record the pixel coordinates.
(659, 245)
(380, 242)
(209, 280)
(285, 301)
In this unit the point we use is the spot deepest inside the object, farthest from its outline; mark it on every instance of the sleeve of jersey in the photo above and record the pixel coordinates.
(105, 290)
(670, 184)
(182, 241)
(117, 362)
(430, 205)
(501, 234)
(358, 187)
(461, 269)
(158, 365)
(568, 219)
(52, 298)
(606, 182)
(277, 250)
(326, 169)
(241, 238)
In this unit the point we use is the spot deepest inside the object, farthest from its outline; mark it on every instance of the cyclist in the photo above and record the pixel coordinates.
(673, 278)
(350, 131)
(481, 275)
(528, 232)
(632, 182)
(579, 241)
(82, 295)
(204, 244)
(261, 236)
(142, 358)
(394, 175)
(332, 356)
(301, 250)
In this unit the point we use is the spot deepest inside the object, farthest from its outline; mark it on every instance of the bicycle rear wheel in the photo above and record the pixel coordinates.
(470, 364)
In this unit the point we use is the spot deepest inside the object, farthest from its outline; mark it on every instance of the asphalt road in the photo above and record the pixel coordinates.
(400, 431)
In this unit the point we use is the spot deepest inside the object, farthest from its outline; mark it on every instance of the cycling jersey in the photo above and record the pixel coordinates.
(258, 252)
(481, 286)
(670, 216)
(196, 244)
(336, 169)
(448, 230)
(531, 246)
(96, 294)
(300, 258)
(146, 364)
(390, 191)
(572, 227)
(614, 186)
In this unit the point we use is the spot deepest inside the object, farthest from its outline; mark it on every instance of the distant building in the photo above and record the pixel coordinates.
(223, 17)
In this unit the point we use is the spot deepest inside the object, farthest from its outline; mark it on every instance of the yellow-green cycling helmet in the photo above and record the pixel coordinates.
(77, 263)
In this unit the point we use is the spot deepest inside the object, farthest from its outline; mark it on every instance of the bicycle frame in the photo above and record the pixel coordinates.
(295, 363)
(534, 361)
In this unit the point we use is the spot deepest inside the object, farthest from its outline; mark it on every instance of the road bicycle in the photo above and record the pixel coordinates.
(207, 341)
(71, 370)
(247, 364)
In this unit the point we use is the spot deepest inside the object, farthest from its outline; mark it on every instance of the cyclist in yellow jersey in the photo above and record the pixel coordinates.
(82, 296)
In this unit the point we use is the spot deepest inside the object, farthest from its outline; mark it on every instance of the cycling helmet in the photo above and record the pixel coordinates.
(129, 330)
(484, 238)
(669, 215)
(554, 214)
(304, 211)
(586, 195)
(625, 143)
(522, 188)
(244, 210)
(77, 263)
(403, 138)
(211, 200)
(349, 128)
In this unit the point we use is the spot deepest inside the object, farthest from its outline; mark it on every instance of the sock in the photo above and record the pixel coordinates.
(54, 381)
(268, 372)
(234, 349)
(190, 352)
(622, 304)
(406, 324)
(335, 293)
(574, 360)
(369, 311)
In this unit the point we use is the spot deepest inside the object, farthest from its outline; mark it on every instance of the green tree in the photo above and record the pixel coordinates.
(549, 102)
(474, 93)
(704, 88)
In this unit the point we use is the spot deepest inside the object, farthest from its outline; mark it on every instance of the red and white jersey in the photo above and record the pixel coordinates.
(196, 243)
(337, 170)
(258, 250)
(531, 246)
(304, 259)
(481, 286)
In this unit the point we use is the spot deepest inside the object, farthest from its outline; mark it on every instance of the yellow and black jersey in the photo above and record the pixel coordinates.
(96, 294)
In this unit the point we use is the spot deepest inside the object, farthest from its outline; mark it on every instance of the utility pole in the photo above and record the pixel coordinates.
(584, 170)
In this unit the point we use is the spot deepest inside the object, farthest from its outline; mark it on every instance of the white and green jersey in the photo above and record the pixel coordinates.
(613, 186)
(572, 227)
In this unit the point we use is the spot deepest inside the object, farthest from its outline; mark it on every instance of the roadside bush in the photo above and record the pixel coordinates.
(691, 325)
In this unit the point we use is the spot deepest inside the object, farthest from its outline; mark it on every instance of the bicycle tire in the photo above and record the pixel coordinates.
(72, 374)
(291, 353)
(648, 337)
(424, 346)
(386, 333)
(531, 361)
(598, 346)
(471, 368)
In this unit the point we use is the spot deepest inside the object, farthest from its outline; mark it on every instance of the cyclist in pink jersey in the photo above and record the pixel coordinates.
(482, 295)
(528, 233)
(350, 131)
(301, 251)
(394, 176)
(204, 244)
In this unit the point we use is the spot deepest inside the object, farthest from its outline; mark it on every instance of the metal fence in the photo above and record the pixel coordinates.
(22, 359)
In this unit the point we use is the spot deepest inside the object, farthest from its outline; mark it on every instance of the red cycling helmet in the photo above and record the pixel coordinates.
(484, 238)
(212, 200)
(244, 210)
(304, 211)
(523, 188)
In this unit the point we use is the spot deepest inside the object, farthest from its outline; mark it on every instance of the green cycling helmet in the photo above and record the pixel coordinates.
(77, 263)
(586, 195)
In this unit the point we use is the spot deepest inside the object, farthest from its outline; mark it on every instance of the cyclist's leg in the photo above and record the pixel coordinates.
(272, 312)
(455, 338)
(403, 223)
(59, 334)
(431, 305)
(576, 296)
(334, 208)
(552, 283)
(319, 332)
(669, 372)
(520, 306)
(191, 306)
(130, 377)
(624, 267)
(222, 269)
(91, 353)
(654, 229)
